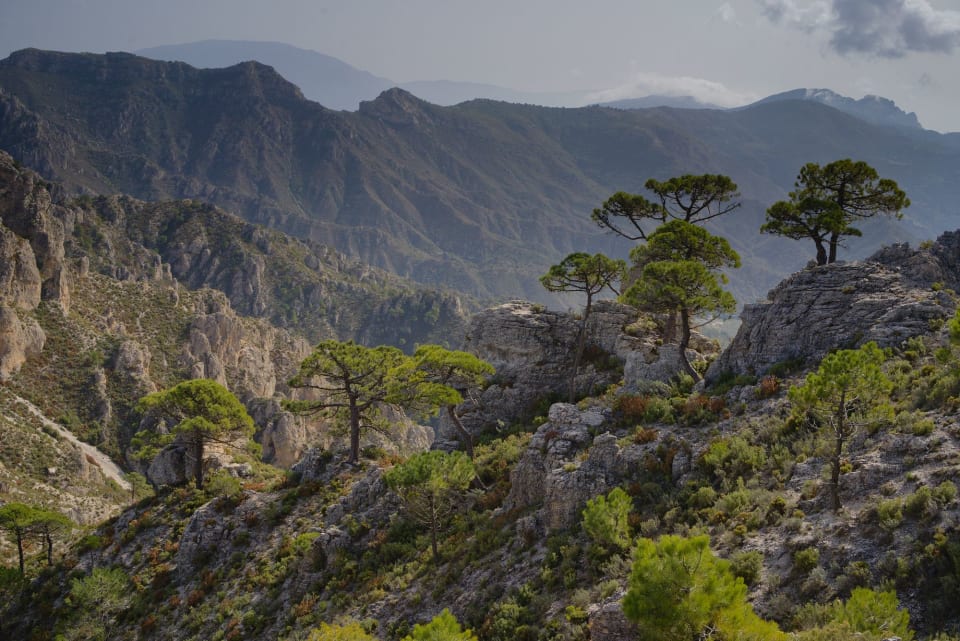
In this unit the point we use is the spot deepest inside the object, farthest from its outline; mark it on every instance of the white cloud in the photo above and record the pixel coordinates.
(726, 13)
(806, 16)
(887, 28)
(653, 84)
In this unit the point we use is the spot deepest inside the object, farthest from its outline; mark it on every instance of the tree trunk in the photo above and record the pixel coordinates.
(49, 541)
(581, 339)
(433, 528)
(354, 433)
(19, 534)
(198, 454)
(821, 252)
(465, 437)
(837, 453)
(834, 242)
(684, 342)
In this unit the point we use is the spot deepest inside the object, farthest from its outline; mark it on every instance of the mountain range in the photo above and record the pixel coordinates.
(481, 197)
(338, 85)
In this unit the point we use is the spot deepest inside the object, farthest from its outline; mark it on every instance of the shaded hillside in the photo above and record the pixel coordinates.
(481, 197)
(300, 285)
(105, 299)
(333, 544)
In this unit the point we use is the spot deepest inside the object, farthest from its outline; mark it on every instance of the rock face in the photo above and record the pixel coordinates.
(27, 211)
(891, 297)
(549, 475)
(20, 339)
(533, 349)
(20, 283)
(607, 621)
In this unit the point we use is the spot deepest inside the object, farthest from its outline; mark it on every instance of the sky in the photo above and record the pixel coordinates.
(727, 52)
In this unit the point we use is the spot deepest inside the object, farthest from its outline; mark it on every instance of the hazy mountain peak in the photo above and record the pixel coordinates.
(325, 79)
(393, 103)
(875, 109)
(647, 102)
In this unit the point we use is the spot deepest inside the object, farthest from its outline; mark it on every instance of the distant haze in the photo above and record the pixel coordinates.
(723, 52)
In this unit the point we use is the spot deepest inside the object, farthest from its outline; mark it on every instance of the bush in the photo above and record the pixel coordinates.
(769, 386)
(748, 566)
(728, 380)
(605, 519)
(921, 504)
(644, 435)
(875, 613)
(728, 459)
(225, 485)
(659, 410)
(889, 514)
(806, 560)
(945, 493)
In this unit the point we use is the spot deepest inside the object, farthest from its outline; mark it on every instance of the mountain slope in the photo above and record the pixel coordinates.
(481, 197)
(873, 109)
(325, 79)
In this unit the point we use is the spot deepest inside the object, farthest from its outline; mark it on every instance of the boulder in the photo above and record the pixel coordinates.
(839, 305)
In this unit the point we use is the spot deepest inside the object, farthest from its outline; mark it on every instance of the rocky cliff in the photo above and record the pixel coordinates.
(103, 300)
(896, 294)
(532, 350)
(332, 543)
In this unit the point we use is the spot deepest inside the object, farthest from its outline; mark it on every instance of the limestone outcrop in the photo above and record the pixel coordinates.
(27, 210)
(20, 339)
(551, 476)
(895, 295)
(20, 283)
(532, 350)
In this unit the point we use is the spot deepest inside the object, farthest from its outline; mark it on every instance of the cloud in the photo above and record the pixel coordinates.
(886, 28)
(726, 13)
(653, 84)
(806, 16)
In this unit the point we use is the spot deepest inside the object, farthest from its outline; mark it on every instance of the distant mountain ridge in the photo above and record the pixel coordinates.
(873, 109)
(336, 84)
(481, 197)
(325, 79)
(648, 102)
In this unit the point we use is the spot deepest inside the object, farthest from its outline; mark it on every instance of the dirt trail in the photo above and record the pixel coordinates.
(107, 467)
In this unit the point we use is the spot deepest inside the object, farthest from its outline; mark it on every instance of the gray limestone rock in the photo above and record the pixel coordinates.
(20, 339)
(607, 621)
(552, 477)
(840, 305)
(20, 283)
(132, 363)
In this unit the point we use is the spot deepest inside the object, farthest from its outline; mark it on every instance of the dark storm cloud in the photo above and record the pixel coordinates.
(887, 28)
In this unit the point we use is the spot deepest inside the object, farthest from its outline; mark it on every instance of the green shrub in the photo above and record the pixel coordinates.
(921, 504)
(728, 380)
(856, 575)
(945, 493)
(605, 519)
(89, 543)
(747, 565)
(805, 560)
(874, 613)
(889, 514)
(728, 459)
(659, 410)
(705, 496)
(224, 484)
